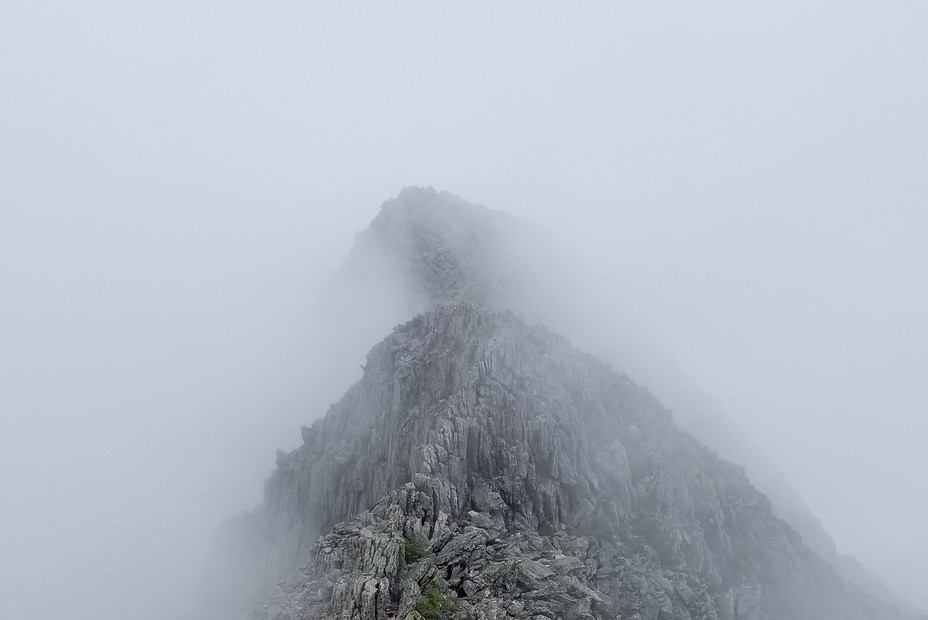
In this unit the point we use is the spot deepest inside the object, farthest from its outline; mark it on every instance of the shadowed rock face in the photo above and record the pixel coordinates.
(482, 468)
(540, 482)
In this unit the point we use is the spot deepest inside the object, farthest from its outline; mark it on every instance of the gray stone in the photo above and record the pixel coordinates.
(468, 430)
(542, 484)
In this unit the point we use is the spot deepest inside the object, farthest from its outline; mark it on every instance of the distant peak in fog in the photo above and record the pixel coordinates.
(440, 248)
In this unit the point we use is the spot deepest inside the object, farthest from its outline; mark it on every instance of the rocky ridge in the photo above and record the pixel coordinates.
(444, 249)
(538, 483)
(483, 468)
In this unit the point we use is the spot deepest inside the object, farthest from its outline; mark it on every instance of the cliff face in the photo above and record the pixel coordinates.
(482, 468)
(441, 249)
(426, 248)
(538, 483)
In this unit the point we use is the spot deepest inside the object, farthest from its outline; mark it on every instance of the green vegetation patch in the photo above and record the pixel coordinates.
(414, 552)
(436, 606)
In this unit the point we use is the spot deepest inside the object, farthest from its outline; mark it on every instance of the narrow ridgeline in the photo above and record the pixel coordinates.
(484, 468)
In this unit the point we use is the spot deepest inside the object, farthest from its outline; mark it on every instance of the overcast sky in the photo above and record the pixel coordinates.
(176, 178)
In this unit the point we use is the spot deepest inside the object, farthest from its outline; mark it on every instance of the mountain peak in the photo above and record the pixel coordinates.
(492, 467)
(483, 468)
(415, 194)
(414, 202)
(438, 248)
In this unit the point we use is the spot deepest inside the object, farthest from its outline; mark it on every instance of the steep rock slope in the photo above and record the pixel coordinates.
(437, 248)
(482, 468)
(538, 482)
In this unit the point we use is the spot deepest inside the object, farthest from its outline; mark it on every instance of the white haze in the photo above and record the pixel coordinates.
(177, 178)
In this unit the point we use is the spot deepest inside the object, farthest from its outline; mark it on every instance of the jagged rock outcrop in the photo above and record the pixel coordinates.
(441, 249)
(542, 484)
(485, 468)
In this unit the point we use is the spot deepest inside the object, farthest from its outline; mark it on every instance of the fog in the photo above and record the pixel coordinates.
(178, 180)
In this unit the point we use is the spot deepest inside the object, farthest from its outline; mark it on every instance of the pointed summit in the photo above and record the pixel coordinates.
(440, 249)
(485, 469)
(492, 467)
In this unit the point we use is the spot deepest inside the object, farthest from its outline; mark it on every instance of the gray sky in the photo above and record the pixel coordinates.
(177, 177)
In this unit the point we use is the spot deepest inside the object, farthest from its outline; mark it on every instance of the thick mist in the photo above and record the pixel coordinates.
(179, 182)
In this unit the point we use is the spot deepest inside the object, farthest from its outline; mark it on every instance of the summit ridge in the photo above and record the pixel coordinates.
(485, 468)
